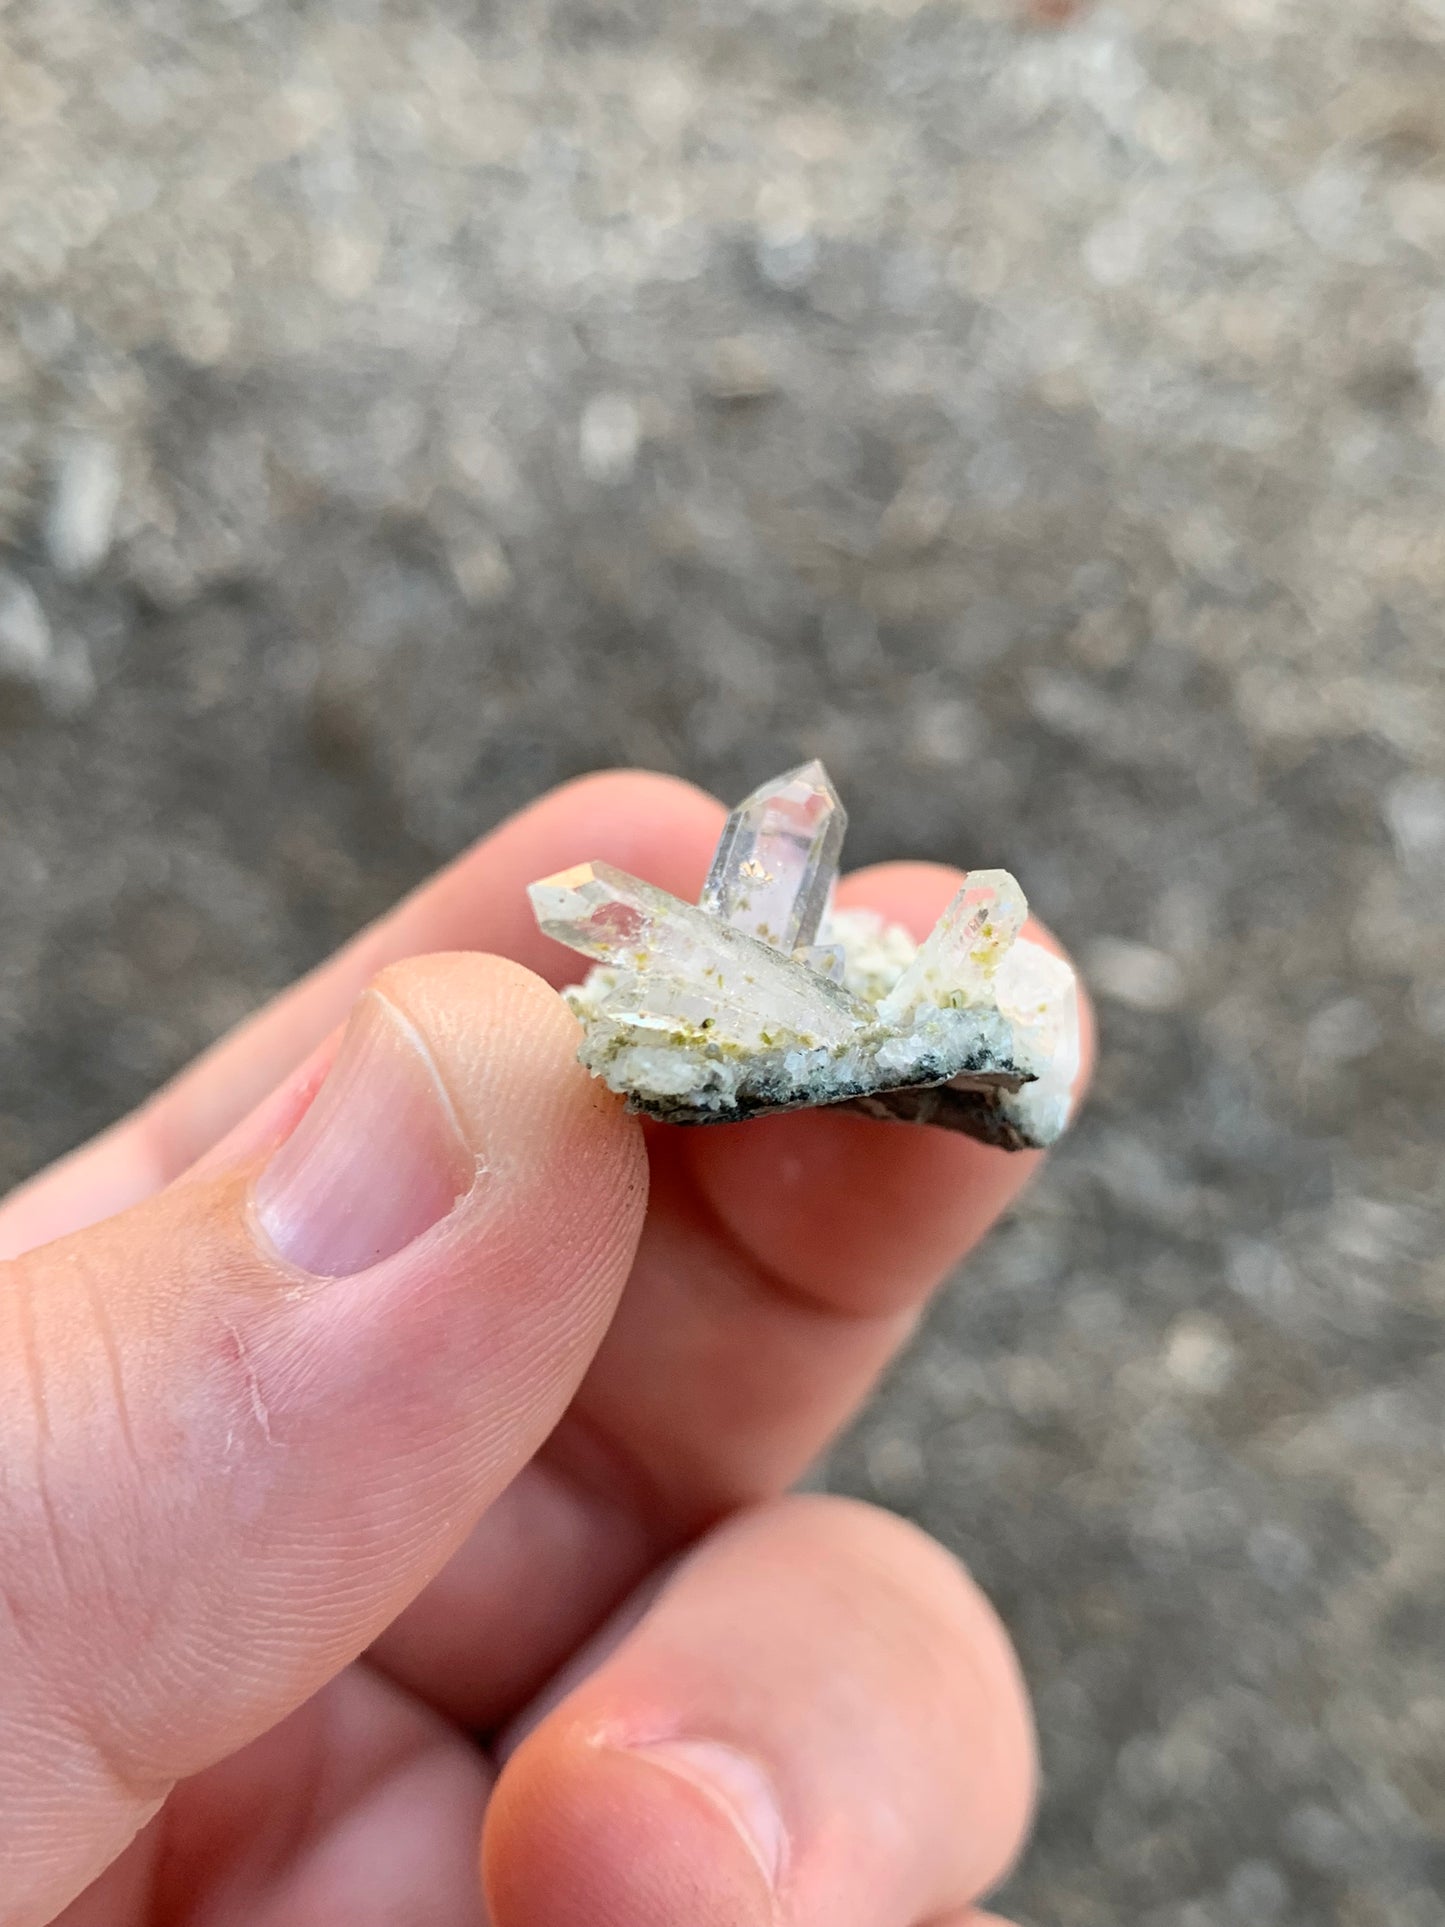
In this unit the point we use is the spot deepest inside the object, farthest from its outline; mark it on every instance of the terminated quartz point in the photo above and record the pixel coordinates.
(777, 860)
(960, 956)
(763, 998)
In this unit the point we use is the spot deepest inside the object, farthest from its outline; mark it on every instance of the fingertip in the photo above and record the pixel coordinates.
(506, 1046)
(582, 1833)
(906, 890)
(959, 1621)
(915, 1578)
(659, 827)
(442, 994)
(628, 794)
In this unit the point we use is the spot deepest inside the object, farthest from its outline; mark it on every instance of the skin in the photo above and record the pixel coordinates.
(464, 1587)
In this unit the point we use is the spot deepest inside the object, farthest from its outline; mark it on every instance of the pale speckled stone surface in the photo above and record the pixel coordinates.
(403, 406)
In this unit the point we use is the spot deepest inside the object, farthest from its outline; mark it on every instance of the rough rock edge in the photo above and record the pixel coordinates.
(970, 1089)
(971, 1106)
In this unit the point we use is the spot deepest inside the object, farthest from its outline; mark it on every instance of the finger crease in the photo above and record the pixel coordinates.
(770, 1282)
(582, 1455)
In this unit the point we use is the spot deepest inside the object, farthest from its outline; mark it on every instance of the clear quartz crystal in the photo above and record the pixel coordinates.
(678, 968)
(777, 860)
(957, 960)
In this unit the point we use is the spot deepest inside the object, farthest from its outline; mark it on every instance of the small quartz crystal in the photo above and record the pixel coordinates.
(777, 859)
(762, 997)
(957, 960)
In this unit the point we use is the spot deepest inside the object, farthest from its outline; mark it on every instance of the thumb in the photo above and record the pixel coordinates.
(242, 1424)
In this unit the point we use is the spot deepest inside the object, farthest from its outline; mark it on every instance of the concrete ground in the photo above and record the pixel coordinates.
(1040, 415)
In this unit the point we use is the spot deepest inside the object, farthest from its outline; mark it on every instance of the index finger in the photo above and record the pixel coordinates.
(657, 826)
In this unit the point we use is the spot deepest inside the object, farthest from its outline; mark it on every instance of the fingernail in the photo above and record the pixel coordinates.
(378, 1158)
(737, 1786)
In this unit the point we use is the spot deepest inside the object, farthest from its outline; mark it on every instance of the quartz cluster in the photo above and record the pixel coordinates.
(765, 997)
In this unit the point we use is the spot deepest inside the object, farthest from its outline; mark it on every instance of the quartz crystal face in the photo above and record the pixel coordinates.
(760, 998)
(776, 863)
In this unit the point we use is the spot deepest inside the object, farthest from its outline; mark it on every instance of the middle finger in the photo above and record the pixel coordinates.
(782, 1265)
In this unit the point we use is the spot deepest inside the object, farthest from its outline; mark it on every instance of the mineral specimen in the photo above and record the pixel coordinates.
(764, 998)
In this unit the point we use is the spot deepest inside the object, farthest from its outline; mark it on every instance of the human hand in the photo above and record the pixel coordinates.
(353, 1384)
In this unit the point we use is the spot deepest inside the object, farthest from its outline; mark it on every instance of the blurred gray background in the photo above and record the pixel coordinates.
(1037, 413)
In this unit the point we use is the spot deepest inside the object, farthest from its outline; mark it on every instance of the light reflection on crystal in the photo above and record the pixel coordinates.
(955, 965)
(777, 859)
